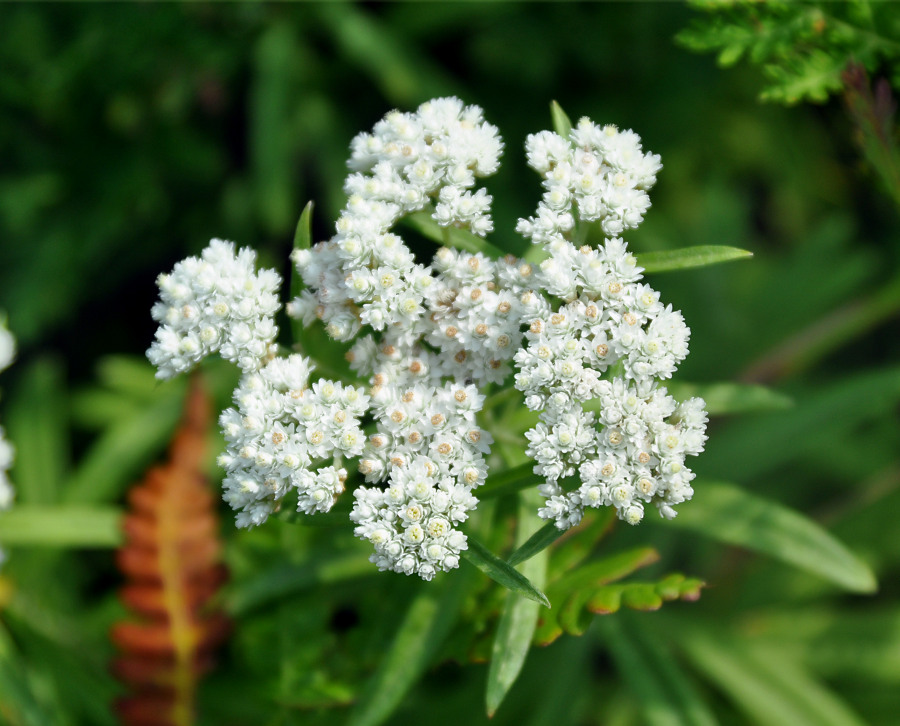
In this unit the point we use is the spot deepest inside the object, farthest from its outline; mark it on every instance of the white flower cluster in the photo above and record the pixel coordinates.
(607, 322)
(410, 523)
(589, 341)
(279, 432)
(635, 456)
(7, 452)
(215, 302)
(601, 170)
(431, 327)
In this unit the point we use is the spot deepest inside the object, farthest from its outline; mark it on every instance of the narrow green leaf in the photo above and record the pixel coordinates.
(729, 514)
(424, 628)
(19, 703)
(499, 571)
(728, 398)
(423, 223)
(279, 62)
(689, 257)
(837, 642)
(561, 122)
(765, 683)
(302, 241)
(610, 568)
(666, 696)
(128, 375)
(38, 424)
(519, 617)
(125, 450)
(64, 526)
(539, 541)
(303, 232)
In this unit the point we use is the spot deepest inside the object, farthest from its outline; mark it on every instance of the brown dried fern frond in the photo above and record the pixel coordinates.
(171, 558)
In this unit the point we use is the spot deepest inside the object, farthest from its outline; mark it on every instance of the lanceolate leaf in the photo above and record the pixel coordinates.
(62, 526)
(687, 257)
(538, 542)
(666, 696)
(729, 514)
(519, 618)
(764, 682)
(427, 622)
(303, 232)
(561, 122)
(501, 572)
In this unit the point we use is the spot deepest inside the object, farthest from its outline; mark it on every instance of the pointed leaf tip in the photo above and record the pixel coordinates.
(561, 122)
(303, 233)
(687, 257)
(501, 572)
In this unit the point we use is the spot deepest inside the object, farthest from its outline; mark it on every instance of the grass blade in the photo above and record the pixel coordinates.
(519, 617)
(766, 684)
(428, 621)
(666, 696)
(502, 573)
(538, 542)
(65, 526)
(39, 427)
(687, 257)
(729, 514)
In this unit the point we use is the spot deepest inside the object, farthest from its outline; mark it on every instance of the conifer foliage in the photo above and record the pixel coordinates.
(171, 558)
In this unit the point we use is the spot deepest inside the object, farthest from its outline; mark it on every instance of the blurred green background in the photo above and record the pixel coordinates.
(130, 134)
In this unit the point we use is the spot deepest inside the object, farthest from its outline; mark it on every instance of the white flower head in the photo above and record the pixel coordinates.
(215, 303)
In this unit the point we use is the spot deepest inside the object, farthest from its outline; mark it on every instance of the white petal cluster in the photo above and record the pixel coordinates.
(280, 434)
(215, 303)
(7, 452)
(365, 274)
(588, 341)
(411, 522)
(605, 343)
(423, 433)
(614, 320)
(634, 457)
(600, 173)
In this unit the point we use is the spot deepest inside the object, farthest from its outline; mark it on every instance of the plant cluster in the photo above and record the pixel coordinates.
(580, 326)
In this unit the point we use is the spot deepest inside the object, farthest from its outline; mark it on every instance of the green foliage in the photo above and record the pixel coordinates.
(803, 48)
(120, 159)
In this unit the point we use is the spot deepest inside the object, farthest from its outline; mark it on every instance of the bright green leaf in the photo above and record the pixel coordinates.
(125, 450)
(666, 696)
(426, 624)
(64, 526)
(561, 122)
(38, 424)
(499, 571)
(765, 683)
(687, 257)
(519, 617)
(538, 542)
(729, 514)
